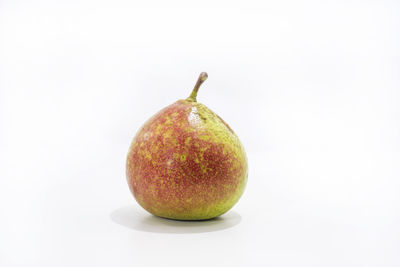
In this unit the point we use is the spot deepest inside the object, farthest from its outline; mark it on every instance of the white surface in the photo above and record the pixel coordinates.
(310, 87)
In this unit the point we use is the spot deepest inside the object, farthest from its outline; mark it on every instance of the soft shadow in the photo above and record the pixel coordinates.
(135, 219)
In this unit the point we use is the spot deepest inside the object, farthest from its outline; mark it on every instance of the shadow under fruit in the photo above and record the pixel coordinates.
(186, 163)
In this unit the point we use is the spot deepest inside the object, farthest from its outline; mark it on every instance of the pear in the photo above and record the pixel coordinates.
(186, 163)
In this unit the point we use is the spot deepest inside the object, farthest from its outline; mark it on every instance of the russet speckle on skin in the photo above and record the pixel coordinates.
(186, 163)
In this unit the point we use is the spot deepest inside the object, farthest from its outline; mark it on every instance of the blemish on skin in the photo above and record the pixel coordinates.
(148, 155)
(147, 135)
(205, 137)
(168, 120)
(204, 169)
(187, 140)
(167, 134)
(158, 128)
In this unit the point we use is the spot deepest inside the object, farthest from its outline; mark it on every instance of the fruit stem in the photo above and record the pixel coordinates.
(202, 77)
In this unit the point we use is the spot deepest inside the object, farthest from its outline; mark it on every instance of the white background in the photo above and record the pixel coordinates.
(312, 88)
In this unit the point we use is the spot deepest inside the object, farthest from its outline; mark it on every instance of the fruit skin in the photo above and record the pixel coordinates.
(186, 163)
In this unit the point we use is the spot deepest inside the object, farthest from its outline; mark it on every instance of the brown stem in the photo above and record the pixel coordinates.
(202, 77)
